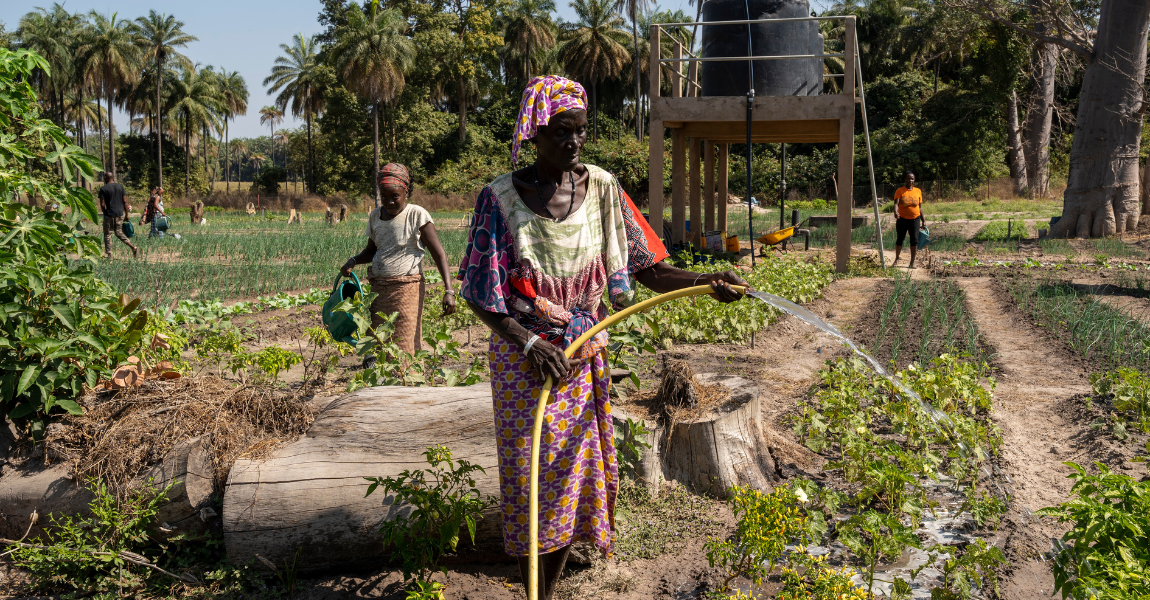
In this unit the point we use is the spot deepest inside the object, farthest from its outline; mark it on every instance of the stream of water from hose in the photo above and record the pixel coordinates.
(940, 419)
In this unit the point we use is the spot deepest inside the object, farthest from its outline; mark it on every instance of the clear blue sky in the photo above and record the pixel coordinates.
(239, 35)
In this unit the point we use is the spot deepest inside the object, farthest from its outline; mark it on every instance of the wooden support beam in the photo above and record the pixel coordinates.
(676, 79)
(767, 108)
(678, 186)
(846, 158)
(655, 146)
(709, 185)
(692, 78)
(811, 131)
(721, 200)
(696, 211)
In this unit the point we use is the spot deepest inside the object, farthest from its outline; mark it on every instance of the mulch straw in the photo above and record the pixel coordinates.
(681, 397)
(121, 435)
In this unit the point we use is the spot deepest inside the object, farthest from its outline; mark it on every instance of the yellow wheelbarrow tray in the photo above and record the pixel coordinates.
(771, 239)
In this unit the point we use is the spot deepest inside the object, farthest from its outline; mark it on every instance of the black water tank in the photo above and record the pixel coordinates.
(792, 77)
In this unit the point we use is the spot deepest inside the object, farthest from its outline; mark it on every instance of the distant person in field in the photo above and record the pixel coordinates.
(154, 209)
(114, 208)
(908, 208)
(398, 235)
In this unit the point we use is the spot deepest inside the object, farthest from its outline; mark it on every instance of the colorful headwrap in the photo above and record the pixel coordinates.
(395, 174)
(544, 98)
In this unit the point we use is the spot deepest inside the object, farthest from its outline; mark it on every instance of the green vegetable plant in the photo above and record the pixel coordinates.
(217, 346)
(768, 522)
(963, 575)
(100, 556)
(61, 328)
(274, 360)
(325, 353)
(443, 500)
(810, 578)
(873, 535)
(1106, 553)
(1129, 390)
(629, 340)
(631, 443)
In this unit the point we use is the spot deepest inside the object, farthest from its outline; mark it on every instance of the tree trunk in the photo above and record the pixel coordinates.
(310, 158)
(375, 151)
(462, 110)
(100, 134)
(715, 452)
(1146, 189)
(187, 151)
(159, 124)
(1102, 188)
(111, 135)
(595, 108)
(310, 493)
(1039, 110)
(638, 89)
(1016, 157)
(227, 161)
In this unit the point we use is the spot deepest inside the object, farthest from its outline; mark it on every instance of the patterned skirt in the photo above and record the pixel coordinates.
(403, 295)
(578, 475)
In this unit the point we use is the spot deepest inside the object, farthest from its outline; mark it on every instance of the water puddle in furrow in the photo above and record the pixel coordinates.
(940, 528)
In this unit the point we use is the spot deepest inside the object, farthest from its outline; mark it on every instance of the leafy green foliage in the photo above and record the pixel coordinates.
(962, 576)
(1106, 552)
(873, 535)
(1129, 390)
(443, 500)
(273, 360)
(702, 320)
(768, 522)
(86, 553)
(810, 578)
(61, 328)
(1000, 231)
(631, 443)
(218, 346)
(394, 366)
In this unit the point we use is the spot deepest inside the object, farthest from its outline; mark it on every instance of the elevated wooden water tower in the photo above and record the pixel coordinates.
(704, 126)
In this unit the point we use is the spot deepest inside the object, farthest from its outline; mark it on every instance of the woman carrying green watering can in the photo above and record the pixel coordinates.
(398, 235)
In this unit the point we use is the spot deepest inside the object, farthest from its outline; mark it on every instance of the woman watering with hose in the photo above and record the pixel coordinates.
(546, 242)
(398, 235)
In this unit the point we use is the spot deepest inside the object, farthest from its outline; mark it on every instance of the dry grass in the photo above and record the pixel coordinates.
(121, 435)
(680, 396)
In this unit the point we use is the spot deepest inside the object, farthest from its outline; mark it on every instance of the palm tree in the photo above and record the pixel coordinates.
(196, 103)
(53, 34)
(295, 76)
(256, 159)
(234, 96)
(271, 116)
(530, 28)
(109, 51)
(594, 50)
(634, 10)
(158, 36)
(280, 138)
(241, 149)
(373, 54)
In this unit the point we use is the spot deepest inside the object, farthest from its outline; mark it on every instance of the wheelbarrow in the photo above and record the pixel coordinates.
(777, 237)
(340, 325)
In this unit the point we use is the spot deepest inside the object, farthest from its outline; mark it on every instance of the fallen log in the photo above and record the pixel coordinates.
(309, 494)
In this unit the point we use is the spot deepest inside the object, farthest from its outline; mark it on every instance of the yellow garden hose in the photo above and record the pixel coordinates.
(540, 410)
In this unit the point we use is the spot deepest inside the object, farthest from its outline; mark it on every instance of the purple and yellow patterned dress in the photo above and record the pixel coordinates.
(550, 276)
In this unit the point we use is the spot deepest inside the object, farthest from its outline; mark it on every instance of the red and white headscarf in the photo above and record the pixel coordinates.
(395, 174)
(544, 98)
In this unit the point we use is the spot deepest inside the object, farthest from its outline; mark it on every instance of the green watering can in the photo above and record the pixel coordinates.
(163, 223)
(340, 325)
(128, 229)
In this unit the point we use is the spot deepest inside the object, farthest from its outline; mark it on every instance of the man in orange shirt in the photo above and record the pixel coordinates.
(908, 207)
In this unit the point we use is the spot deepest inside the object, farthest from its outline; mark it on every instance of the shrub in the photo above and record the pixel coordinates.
(61, 328)
(1106, 553)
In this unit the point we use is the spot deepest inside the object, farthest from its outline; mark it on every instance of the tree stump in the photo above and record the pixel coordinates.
(712, 453)
(310, 493)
